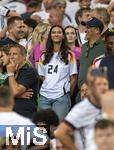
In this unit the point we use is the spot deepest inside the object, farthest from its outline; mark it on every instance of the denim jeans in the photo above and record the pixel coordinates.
(60, 105)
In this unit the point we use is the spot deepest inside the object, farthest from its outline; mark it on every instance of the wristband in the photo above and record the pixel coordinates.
(10, 74)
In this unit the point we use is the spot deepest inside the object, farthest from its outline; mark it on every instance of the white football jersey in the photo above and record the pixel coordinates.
(57, 76)
(83, 117)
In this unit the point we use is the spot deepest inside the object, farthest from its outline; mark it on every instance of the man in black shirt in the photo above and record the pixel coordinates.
(108, 61)
(21, 78)
(16, 31)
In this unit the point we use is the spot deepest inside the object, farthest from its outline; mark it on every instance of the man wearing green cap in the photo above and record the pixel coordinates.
(94, 48)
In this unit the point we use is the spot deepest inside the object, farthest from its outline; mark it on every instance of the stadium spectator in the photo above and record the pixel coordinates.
(27, 41)
(32, 6)
(18, 6)
(56, 68)
(81, 119)
(108, 105)
(111, 25)
(39, 38)
(108, 60)
(82, 15)
(92, 49)
(22, 77)
(55, 17)
(84, 91)
(72, 42)
(15, 27)
(4, 11)
(39, 14)
(103, 15)
(104, 135)
(84, 3)
(60, 6)
(46, 4)
(7, 115)
(46, 118)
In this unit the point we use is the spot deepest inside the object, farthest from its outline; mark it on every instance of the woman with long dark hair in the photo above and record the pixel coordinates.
(57, 69)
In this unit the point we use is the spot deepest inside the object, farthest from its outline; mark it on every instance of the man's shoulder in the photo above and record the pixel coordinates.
(82, 114)
(83, 105)
(81, 108)
(6, 41)
(102, 42)
(28, 68)
(21, 120)
(84, 109)
(7, 118)
(85, 44)
(107, 60)
(28, 72)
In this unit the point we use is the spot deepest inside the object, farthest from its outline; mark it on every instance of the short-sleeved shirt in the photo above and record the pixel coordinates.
(108, 62)
(82, 118)
(6, 41)
(87, 57)
(27, 77)
(36, 53)
(3, 11)
(57, 75)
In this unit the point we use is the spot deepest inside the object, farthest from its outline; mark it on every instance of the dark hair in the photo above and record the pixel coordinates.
(5, 49)
(47, 116)
(12, 20)
(23, 51)
(104, 124)
(50, 48)
(5, 96)
(34, 4)
(76, 41)
(79, 13)
(108, 33)
(30, 23)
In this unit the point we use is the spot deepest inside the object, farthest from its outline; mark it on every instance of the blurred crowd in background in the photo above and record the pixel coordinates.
(57, 71)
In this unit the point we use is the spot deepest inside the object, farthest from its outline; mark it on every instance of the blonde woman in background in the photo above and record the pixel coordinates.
(39, 38)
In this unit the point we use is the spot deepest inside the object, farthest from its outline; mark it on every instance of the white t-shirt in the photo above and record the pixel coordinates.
(83, 117)
(57, 76)
(99, 5)
(17, 6)
(66, 22)
(12, 118)
(71, 9)
(44, 15)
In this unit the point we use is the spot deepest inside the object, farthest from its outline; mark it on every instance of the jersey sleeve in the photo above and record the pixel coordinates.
(80, 115)
(73, 64)
(73, 118)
